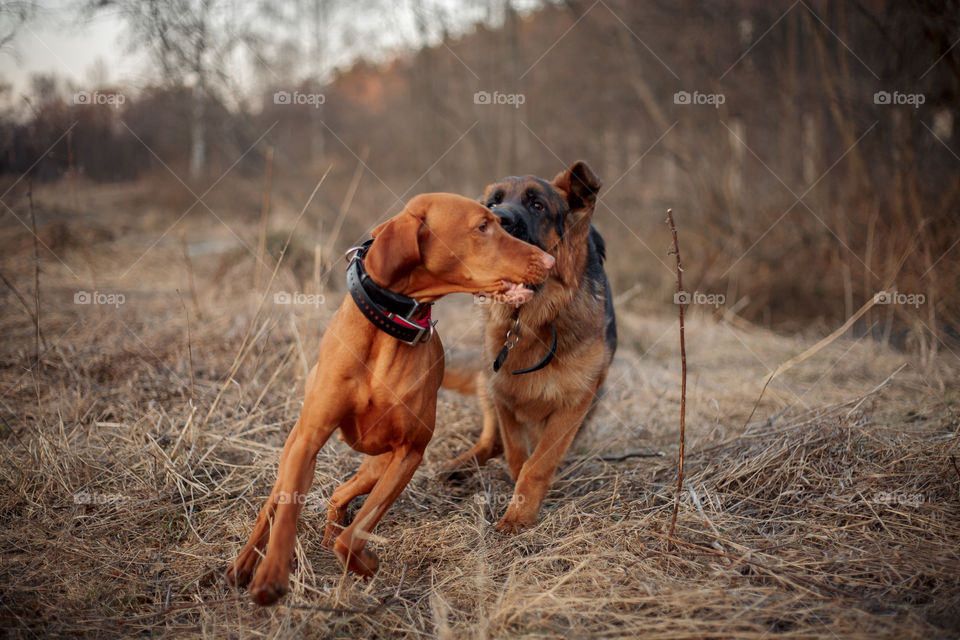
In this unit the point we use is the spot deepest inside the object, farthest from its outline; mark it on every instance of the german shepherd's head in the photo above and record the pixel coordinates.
(554, 216)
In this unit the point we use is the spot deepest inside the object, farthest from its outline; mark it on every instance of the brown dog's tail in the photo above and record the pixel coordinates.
(462, 371)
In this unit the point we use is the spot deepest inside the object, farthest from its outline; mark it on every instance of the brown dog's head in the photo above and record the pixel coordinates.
(444, 243)
(554, 216)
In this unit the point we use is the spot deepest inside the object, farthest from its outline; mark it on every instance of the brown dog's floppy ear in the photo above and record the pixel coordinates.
(580, 184)
(396, 248)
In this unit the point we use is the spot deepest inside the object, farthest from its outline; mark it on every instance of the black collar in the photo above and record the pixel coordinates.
(389, 311)
(513, 337)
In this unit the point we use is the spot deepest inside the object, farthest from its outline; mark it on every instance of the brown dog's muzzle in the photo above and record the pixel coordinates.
(539, 268)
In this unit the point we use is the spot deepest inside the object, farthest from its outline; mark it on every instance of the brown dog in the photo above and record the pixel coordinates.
(555, 357)
(378, 390)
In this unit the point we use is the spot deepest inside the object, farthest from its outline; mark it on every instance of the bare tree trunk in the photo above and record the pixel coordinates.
(513, 46)
(198, 125)
(198, 138)
(317, 131)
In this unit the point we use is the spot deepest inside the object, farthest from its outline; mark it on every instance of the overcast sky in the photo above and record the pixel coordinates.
(58, 41)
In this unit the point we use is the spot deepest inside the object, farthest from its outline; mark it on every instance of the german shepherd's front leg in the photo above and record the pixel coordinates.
(537, 471)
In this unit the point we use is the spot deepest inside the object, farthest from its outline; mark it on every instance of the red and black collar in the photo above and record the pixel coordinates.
(387, 310)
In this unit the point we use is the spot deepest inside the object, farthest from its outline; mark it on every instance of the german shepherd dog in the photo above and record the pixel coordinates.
(552, 354)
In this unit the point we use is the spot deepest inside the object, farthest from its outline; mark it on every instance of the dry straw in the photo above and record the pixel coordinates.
(128, 484)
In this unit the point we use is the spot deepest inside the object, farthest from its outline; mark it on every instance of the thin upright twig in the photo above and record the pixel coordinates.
(683, 379)
(186, 313)
(20, 298)
(264, 217)
(38, 336)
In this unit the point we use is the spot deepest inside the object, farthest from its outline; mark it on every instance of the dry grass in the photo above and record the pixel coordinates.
(834, 514)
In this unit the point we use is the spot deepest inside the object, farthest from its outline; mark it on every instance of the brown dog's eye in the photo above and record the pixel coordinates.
(483, 227)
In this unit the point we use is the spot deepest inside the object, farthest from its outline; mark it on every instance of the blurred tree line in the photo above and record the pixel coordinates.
(810, 149)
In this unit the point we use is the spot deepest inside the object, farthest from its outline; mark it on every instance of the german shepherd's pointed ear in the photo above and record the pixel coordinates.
(396, 247)
(580, 184)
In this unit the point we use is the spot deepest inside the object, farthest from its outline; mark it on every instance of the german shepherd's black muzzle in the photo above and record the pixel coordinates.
(517, 221)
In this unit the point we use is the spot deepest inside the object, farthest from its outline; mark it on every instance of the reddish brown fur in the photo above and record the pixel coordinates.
(547, 406)
(380, 393)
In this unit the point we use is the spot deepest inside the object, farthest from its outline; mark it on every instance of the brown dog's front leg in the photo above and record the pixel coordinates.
(537, 472)
(371, 469)
(293, 483)
(241, 569)
(349, 545)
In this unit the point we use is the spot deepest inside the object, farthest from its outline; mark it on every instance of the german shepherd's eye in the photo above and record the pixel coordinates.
(536, 204)
(495, 199)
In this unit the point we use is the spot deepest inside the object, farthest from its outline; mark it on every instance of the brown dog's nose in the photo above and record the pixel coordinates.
(547, 260)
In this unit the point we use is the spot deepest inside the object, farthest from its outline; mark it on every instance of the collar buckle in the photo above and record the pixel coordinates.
(355, 252)
(424, 333)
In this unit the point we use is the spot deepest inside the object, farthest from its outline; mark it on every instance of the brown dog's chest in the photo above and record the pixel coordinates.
(386, 391)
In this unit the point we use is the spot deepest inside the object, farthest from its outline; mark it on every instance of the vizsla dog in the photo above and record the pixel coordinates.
(378, 374)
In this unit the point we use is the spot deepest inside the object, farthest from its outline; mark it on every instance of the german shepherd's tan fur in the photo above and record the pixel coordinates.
(547, 407)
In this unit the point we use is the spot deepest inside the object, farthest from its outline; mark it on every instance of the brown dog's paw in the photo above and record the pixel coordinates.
(269, 584)
(512, 527)
(364, 563)
(238, 574)
(267, 594)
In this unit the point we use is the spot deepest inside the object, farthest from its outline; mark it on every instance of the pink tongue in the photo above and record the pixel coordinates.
(516, 294)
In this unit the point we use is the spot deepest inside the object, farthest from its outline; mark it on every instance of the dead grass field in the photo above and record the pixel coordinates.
(135, 457)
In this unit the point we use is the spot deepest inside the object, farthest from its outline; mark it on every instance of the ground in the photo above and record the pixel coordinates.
(136, 454)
